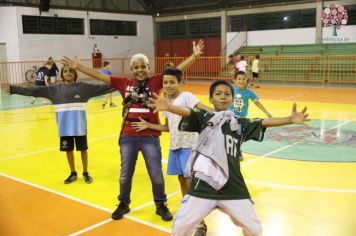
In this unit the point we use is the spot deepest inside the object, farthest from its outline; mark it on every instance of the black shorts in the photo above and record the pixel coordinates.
(67, 143)
(254, 75)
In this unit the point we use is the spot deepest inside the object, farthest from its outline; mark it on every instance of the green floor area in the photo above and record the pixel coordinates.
(331, 141)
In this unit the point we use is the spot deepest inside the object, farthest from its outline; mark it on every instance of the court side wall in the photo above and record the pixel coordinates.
(281, 37)
(24, 47)
(8, 32)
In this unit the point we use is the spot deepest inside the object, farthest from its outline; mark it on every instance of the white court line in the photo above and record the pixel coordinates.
(152, 202)
(53, 148)
(267, 154)
(85, 203)
(333, 190)
(91, 227)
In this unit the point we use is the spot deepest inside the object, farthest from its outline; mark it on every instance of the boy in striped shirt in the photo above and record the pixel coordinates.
(69, 100)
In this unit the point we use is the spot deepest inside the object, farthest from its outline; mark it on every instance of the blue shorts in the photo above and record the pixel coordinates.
(177, 160)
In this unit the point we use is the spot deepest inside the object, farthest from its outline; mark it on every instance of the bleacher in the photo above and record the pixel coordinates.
(321, 63)
(301, 49)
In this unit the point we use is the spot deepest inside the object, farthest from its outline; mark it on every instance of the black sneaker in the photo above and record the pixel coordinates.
(120, 211)
(71, 178)
(163, 211)
(87, 178)
(201, 230)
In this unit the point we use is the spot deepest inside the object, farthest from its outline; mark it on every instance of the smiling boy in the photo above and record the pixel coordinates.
(217, 181)
(69, 100)
(135, 91)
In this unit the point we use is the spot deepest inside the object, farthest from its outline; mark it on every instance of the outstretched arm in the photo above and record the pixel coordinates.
(197, 51)
(74, 63)
(201, 106)
(162, 104)
(295, 118)
(36, 91)
(262, 108)
(142, 125)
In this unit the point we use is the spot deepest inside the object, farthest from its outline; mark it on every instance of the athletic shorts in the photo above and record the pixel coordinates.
(40, 83)
(177, 160)
(254, 75)
(67, 143)
(53, 79)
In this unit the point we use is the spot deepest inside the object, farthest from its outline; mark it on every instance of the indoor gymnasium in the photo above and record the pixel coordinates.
(301, 178)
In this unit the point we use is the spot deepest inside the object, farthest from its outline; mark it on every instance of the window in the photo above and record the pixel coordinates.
(110, 27)
(274, 20)
(52, 25)
(190, 28)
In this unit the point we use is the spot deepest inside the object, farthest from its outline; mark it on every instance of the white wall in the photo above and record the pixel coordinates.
(23, 47)
(8, 32)
(346, 34)
(281, 37)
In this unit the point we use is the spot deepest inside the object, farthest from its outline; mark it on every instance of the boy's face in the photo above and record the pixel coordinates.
(68, 75)
(222, 97)
(240, 81)
(171, 86)
(237, 57)
(140, 69)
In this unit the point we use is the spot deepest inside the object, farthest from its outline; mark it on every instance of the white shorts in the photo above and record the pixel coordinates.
(193, 210)
(53, 79)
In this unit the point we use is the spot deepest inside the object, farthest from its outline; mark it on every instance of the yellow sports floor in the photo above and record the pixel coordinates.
(293, 197)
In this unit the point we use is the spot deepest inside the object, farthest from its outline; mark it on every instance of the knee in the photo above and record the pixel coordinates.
(177, 230)
(254, 230)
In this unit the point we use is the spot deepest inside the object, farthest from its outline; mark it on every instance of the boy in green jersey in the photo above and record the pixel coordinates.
(214, 164)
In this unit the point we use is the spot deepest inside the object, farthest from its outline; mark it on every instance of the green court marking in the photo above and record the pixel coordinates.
(323, 140)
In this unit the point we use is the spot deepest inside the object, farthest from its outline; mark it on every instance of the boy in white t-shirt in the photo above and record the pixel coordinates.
(255, 69)
(241, 65)
(181, 142)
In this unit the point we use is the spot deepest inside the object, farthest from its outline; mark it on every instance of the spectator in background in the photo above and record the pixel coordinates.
(107, 71)
(53, 71)
(242, 64)
(237, 58)
(255, 69)
(42, 79)
(95, 48)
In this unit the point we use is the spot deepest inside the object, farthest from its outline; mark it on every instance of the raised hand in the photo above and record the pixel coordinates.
(198, 49)
(72, 63)
(299, 117)
(139, 126)
(158, 104)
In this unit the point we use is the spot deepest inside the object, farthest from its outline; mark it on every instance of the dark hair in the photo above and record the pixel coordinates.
(236, 53)
(217, 83)
(50, 58)
(257, 56)
(242, 57)
(170, 70)
(72, 70)
(240, 73)
(106, 63)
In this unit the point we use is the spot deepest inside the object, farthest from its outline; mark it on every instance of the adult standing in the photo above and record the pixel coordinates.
(53, 70)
